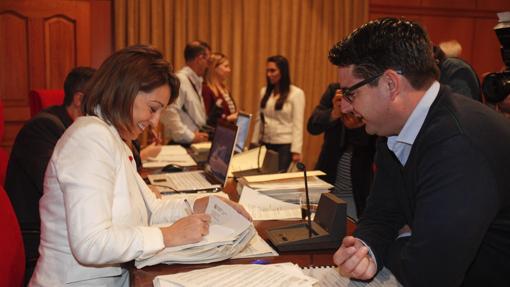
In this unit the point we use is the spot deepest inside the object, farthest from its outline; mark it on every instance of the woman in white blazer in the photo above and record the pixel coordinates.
(96, 211)
(279, 122)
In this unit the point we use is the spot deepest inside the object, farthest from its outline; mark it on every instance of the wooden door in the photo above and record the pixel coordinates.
(41, 41)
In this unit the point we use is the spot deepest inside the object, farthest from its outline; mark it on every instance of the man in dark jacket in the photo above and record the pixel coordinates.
(30, 155)
(439, 210)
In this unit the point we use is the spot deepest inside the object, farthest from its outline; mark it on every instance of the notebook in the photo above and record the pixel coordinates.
(243, 128)
(214, 176)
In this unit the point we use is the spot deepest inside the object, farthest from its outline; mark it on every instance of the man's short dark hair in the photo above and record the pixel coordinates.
(75, 82)
(195, 49)
(388, 43)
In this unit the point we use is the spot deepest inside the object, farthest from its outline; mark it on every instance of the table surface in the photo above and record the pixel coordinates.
(144, 277)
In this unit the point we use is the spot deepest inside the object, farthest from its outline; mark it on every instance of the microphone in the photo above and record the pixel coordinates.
(261, 135)
(301, 166)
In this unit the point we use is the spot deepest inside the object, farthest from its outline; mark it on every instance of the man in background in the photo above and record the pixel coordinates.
(439, 210)
(186, 116)
(30, 154)
(347, 152)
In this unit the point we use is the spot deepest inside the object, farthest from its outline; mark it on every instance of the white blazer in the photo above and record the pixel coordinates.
(96, 211)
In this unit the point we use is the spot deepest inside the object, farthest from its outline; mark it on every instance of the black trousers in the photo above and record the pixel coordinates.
(284, 155)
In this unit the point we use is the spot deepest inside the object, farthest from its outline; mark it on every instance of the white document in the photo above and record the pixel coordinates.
(247, 160)
(257, 247)
(281, 176)
(329, 277)
(291, 184)
(170, 154)
(263, 207)
(249, 275)
(229, 233)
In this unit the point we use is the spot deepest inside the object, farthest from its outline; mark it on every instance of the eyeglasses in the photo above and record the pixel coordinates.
(348, 93)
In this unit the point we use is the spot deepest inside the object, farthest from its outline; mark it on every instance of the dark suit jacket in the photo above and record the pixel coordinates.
(30, 155)
(337, 139)
(454, 193)
(461, 78)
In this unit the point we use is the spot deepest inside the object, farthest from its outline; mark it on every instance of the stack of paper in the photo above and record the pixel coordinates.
(263, 207)
(328, 276)
(201, 147)
(229, 234)
(289, 186)
(170, 154)
(251, 275)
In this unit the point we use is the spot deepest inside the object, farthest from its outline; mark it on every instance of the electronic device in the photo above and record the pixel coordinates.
(243, 128)
(325, 232)
(214, 176)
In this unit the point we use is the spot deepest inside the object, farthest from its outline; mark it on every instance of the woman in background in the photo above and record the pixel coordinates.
(218, 102)
(96, 211)
(279, 122)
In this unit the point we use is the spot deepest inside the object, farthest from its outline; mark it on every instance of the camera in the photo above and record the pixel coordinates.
(496, 86)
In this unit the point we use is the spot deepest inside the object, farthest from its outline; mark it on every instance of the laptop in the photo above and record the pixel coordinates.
(214, 176)
(243, 128)
(269, 165)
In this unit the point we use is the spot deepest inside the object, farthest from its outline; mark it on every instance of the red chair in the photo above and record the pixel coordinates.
(41, 99)
(4, 157)
(12, 253)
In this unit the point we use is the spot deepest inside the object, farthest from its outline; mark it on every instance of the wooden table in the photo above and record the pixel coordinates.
(143, 277)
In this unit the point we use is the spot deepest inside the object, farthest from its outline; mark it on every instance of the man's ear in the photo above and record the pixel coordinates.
(77, 98)
(393, 82)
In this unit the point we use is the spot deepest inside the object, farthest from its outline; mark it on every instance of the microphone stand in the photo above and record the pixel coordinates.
(301, 166)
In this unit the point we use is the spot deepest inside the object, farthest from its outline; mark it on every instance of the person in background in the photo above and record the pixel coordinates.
(96, 210)
(218, 101)
(439, 210)
(347, 153)
(458, 74)
(184, 119)
(279, 122)
(30, 154)
(451, 48)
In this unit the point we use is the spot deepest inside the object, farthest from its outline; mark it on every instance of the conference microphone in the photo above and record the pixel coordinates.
(325, 231)
(301, 166)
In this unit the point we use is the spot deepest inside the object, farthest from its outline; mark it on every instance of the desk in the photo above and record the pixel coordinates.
(143, 277)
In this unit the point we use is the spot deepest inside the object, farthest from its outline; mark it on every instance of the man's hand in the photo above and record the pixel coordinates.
(200, 137)
(336, 112)
(353, 260)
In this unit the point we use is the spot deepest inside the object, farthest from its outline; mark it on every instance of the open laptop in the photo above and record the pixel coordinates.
(214, 176)
(243, 128)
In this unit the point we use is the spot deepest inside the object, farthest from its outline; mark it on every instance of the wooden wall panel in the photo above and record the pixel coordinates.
(47, 38)
(468, 21)
(60, 49)
(14, 81)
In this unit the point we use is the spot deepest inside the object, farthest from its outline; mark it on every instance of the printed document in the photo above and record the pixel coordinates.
(263, 207)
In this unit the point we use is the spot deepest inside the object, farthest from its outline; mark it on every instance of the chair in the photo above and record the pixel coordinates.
(41, 99)
(12, 265)
(4, 157)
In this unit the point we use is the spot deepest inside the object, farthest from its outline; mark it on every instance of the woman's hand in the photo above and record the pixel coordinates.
(190, 229)
(151, 150)
(201, 204)
(296, 157)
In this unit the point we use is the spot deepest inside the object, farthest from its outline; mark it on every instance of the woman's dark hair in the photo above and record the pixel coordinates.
(115, 85)
(283, 85)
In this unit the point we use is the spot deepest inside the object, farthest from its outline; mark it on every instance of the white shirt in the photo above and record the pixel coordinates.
(286, 125)
(187, 114)
(96, 210)
(402, 143)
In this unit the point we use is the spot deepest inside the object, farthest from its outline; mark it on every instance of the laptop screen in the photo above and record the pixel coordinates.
(221, 151)
(243, 126)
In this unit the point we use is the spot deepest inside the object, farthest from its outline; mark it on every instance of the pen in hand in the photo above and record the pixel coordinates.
(189, 209)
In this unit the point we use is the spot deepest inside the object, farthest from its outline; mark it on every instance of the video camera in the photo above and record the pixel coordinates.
(496, 86)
